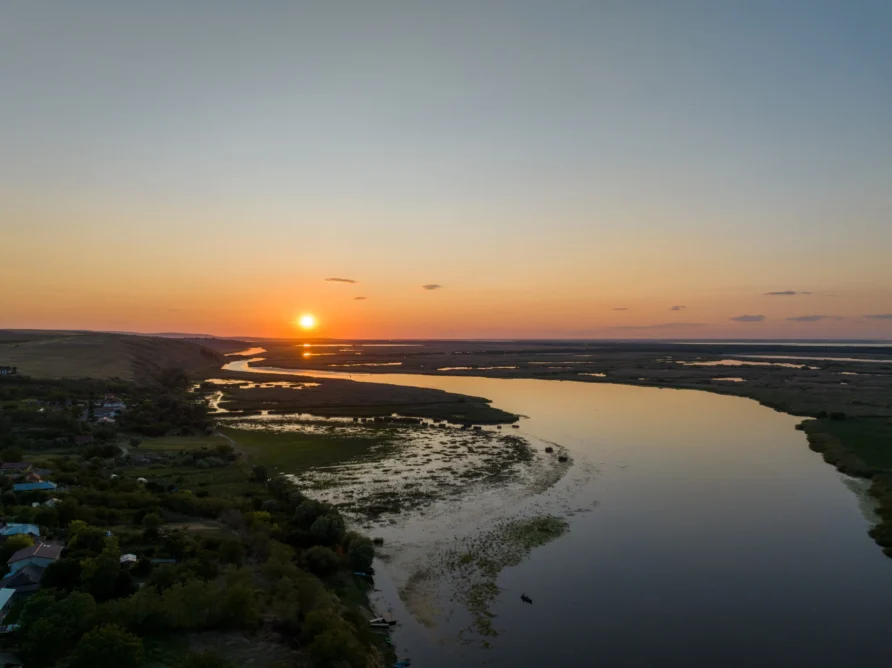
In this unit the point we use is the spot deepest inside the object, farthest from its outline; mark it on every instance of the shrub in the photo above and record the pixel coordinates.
(320, 561)
(108, 646)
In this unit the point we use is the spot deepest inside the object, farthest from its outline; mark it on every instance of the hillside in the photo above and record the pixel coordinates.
(50, 354)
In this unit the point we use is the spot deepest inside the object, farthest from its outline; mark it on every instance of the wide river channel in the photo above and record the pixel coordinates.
(703, 532)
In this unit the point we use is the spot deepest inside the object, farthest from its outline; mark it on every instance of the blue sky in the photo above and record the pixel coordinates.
(542, 160)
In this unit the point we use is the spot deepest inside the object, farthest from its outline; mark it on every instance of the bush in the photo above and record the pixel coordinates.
(328, 529)
(320, 561)
(206, 659)
(337, 647)
(361, 554)
(108, 646)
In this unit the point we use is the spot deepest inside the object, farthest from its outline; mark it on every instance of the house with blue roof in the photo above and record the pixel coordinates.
(15, 529)
(40, 554)
(34, 487)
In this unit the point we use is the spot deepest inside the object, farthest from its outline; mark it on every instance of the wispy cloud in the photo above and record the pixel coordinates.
(431, 286)
(786, 293)
(749, 318)
(621, 308)
(341, 280)
(359, 299)
(814, 318)
(662, 325)
(677, 308)
(879, 316)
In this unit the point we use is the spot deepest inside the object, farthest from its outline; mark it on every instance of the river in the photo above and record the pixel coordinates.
(703, 532)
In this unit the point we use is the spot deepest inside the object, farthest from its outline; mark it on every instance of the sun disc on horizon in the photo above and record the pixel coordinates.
(306, 321)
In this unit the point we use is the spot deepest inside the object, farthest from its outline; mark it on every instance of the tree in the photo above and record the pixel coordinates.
(12, 454)
(107, 646)
(361, 554)
(13, 544)
(337, 647)
(259, 474)
(206, 659)
(231, 552)
(320, 561)
(50, 626)
(152, 521)
(47, 517)
(328, 529)
(64, 575)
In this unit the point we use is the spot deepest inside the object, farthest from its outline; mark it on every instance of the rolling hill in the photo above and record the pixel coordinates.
(65, 354)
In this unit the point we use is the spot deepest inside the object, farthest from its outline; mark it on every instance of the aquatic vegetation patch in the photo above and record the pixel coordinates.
(475, 565)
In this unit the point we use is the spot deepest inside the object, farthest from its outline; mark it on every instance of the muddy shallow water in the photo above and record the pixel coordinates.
(701, 531)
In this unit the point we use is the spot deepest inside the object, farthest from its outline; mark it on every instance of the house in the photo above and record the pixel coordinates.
(128, 559)
(5, 601)
(15, 468)
(34, 487)
(24, 581)
(113, 402)
(39, 554)
(16, 529)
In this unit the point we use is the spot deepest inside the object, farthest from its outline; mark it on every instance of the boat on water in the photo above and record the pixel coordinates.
(382, 620)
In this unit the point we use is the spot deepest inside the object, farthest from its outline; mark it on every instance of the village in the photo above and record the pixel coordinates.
(132, 534)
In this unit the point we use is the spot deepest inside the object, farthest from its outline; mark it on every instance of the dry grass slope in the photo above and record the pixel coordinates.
(100, 355)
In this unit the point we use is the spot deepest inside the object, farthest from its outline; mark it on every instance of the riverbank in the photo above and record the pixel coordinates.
(860, 447)
(850, 383)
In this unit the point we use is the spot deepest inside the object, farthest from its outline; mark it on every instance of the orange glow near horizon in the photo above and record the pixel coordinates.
(307, 321)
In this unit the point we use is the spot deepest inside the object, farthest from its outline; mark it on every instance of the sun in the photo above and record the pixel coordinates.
(307, 321)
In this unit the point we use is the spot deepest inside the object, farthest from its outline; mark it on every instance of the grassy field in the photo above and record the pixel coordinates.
(278, 451)
(100, 355)
(290, 451)
(870, 440)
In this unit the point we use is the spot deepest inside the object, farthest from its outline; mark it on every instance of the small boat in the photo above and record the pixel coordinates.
(382, 620)
(362, 575)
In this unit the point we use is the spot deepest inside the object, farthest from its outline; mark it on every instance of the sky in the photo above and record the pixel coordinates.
(559, 168)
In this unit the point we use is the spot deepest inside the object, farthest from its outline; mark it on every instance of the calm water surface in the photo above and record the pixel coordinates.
(703, 532)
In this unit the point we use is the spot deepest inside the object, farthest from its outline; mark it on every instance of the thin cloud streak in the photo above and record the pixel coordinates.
(662, 325)
(431, 286)
(677, 308)
(814, 318)
(879, 316)
(359, 299)
(341, 280)
(786, 293)
(748, 318)
(621, 308)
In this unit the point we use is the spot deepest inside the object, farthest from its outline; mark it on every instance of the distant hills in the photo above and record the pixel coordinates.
(69, 354)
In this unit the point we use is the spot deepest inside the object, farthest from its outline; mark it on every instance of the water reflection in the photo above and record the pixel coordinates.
(704, 532)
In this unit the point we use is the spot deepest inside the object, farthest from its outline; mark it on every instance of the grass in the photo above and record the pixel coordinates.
(293, 451)
(177, 443)
(869, 439)
(860, 447)
(101, 355)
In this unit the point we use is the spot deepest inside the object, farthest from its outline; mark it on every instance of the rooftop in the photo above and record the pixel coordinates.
(37, 551)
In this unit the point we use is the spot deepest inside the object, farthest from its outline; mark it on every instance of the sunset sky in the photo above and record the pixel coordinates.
(558, 168)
